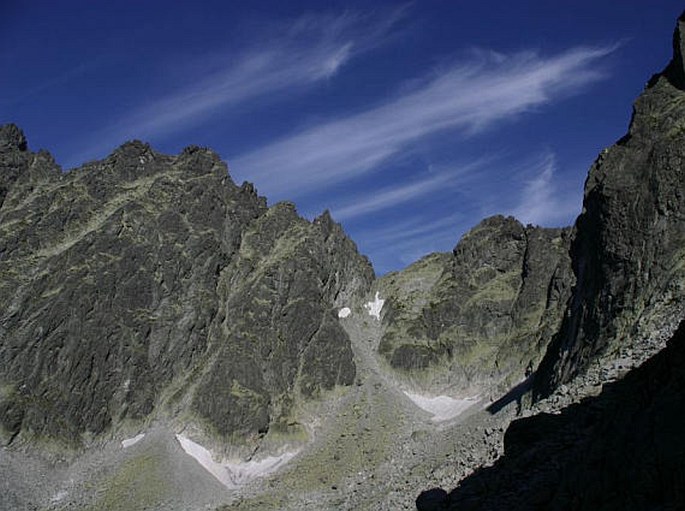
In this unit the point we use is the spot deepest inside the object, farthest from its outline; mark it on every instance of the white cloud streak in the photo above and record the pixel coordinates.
(296, 56)
(411, 229)
(531, 190)
(411, 249)
(393, 196)
(542, 202)
(468, 97)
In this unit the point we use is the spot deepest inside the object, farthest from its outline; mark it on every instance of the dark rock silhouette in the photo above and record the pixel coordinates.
(432, 500)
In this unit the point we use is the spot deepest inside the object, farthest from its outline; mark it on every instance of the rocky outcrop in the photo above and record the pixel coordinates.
(628, 246)
(481, 315)
(147, 284)
(277, 335)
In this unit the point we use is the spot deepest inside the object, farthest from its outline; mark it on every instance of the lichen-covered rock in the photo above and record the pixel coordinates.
(148, 283)
(628, 244)
(481, 315)
(277, 335)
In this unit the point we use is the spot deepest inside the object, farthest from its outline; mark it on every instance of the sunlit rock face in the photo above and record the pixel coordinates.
(146, 282)
(480, 316)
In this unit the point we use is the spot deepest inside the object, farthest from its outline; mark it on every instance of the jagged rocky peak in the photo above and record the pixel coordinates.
(477, 318)
(136, 159)
(11, 137)
(356, 274)
(327, 225)
(148, 285)
(15, 158)
(627, 247)
(133, 147)
(203, 159)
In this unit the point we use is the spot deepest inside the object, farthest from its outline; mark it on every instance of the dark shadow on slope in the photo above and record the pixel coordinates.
(621, 450)
(515, 394)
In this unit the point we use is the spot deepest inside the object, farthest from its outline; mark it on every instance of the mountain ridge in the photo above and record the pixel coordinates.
(145, 240)
(149, 297)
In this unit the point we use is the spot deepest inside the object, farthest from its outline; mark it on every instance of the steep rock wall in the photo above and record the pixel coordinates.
(628, 246)
(145, 284)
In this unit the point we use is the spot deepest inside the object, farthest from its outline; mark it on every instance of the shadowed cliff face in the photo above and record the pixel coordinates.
(148, 283)
(483, 314)
(628, 246)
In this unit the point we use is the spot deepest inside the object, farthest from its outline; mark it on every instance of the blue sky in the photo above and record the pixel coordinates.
(409, 121)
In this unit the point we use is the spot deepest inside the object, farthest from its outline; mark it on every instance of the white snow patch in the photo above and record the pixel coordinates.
(344, 312)
(247, 470)
(233, 474)
(442, 407)
(375, 307)
(132, 441)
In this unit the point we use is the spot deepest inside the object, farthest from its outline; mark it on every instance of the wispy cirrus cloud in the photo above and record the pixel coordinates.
(531, 189)
(357, 205)
(542, 201)
(408, 241)
(468, 97)
(292, 56)
(412, 229)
